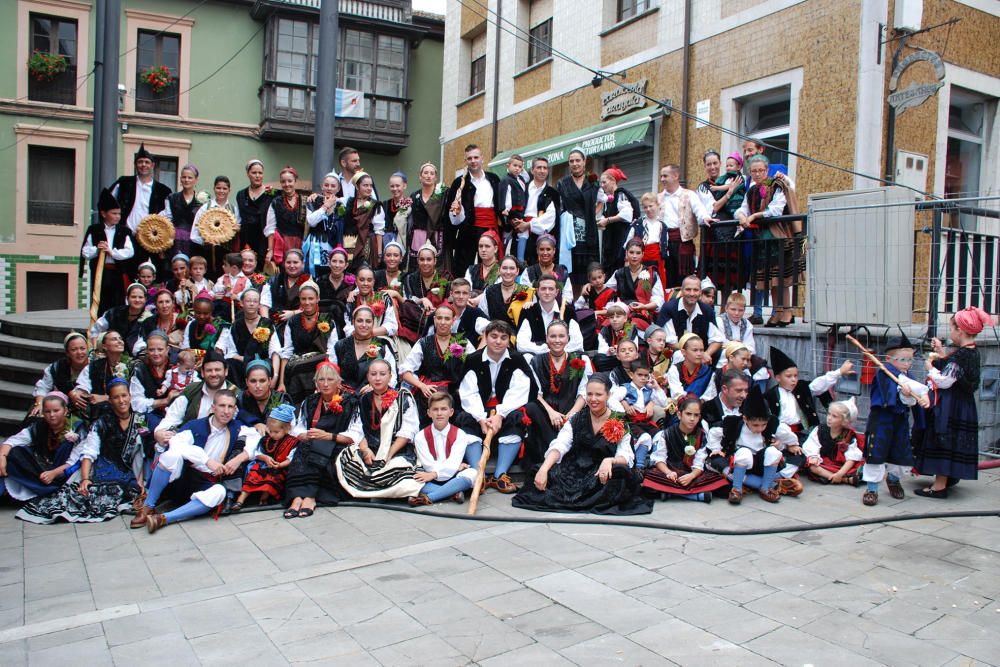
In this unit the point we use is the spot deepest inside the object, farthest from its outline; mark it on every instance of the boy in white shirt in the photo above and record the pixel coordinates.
(441, 450)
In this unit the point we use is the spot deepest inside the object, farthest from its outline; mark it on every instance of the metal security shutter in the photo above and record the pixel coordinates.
(638, 166)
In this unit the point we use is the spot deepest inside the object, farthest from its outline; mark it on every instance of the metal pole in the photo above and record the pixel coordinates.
(935, 281)
(326, 93)
(685, 91)
(810, 267)
(95, 139)
(109, 92)
(496, 81)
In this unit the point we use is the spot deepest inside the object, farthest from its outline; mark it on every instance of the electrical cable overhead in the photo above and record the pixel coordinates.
(683, 112)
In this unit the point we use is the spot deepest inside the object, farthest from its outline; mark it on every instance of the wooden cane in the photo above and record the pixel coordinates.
(480, 473)
(924, 401)
(95, 301)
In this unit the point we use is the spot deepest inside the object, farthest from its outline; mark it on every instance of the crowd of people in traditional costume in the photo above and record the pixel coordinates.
(341, 347)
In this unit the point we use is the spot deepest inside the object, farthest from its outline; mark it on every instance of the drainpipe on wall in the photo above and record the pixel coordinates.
(496, 78)
(685, 90)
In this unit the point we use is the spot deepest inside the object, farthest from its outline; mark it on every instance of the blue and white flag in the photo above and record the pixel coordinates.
(350, 103)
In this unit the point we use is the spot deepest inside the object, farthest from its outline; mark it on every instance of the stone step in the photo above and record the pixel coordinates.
(13, 369)
(10, 421)
(50, 326)
(30, 350)
(16, 395)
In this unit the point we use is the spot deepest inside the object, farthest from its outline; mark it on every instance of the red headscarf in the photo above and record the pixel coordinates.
(971, 320)
(616, 173)
(492, 233)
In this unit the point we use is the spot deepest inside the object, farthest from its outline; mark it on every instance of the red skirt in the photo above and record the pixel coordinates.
(832, 466)
(706, 482)
(685, 259)
(266, 480)
(651, 256)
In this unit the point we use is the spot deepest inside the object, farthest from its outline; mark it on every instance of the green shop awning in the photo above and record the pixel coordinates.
(607, 137)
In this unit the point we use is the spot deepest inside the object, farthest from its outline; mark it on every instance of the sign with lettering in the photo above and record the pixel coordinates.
(916, 93)
(623, 98)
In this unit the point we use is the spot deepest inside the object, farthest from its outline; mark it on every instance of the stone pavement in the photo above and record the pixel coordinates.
(361, 586)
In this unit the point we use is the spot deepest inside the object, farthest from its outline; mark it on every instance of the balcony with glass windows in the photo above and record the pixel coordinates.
(373, 63)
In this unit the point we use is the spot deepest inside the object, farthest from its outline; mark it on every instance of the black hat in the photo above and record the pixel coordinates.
(142, 152)
(213, 355)
(781, 361)
(755, 407)
(107, 202)
(898, 342)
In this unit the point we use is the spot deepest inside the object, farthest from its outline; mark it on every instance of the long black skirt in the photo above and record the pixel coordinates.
(572, 488)
(312, 473)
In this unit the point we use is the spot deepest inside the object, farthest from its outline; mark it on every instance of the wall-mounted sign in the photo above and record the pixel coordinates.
(702, 113)
(623, 98)
(916, 93)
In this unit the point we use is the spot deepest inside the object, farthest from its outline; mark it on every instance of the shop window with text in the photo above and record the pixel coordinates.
(767, 116)
(629, 8)
(540, 47)
(51, 185)
(157, 84)
(52, 61)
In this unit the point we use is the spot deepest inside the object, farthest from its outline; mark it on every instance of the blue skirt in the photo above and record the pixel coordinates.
(951, 441)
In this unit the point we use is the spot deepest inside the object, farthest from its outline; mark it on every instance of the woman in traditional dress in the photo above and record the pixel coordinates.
(381, 462)
(220, 199)
(386, 322)
(61, 374)
(578, 191)
(638, 286)
(286, 223)
(545, 249)
(950, 448)
(110, 475)
(486, 271)
(621, 208)
(507, 299)
(164, 319)
(181, 207)
(364, 224)
(424, 290)
(562, 380)
(335, 288)
(588, 467)
(326, 226)
(389, 279)
(257, 399)
(679, 455)
(180, 272)
(722, 194)
(428, 217)
(98, 373)
(321, 424)
(435, 362)
(34, 460)
(253, 202)
(304, 344)
(774, 252)
(398, 209)
(355, 353)
(251, 337)
(147, 379)
(279, 300)
(125, 319)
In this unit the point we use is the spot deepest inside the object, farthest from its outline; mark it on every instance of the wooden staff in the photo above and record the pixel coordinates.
(924, 400)
(95, 301)
(480, 473)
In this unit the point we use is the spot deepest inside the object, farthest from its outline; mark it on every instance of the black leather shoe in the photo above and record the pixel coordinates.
(931, 493)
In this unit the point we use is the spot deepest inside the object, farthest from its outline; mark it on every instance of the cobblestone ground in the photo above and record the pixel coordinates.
(360, 586)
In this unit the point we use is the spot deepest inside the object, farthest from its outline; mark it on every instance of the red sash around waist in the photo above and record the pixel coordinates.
(486, 217)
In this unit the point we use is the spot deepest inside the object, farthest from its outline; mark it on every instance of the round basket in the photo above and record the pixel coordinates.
(155, 233)
(217, 226)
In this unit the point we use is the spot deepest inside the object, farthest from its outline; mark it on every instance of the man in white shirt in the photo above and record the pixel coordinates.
(536, 318)
(140, 194)
(350, 164)
(539, 211)
(198, 459)
(474, 207)
(500, 380)
(681, 211)
(183, 409)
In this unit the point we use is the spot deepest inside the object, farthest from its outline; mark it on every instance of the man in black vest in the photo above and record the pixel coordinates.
(496, 385)
(474, 206)
(733, 390)
(140, 194)
(469, 320)
(114, 238)
(541, 211)
(678, 316)
(535, 320)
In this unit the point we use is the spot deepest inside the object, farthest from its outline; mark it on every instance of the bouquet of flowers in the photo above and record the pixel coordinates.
(45, 67)
(157, 78)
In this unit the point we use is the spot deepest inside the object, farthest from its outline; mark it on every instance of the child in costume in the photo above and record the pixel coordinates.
(887, 440)
(266, 475)
(950, 450)
(832, 452)
(694, 375)
(639, 398)
(754, 446)
(679, 456)
(181, 375)
(441, 450)
(617, 329)
(792, 400)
